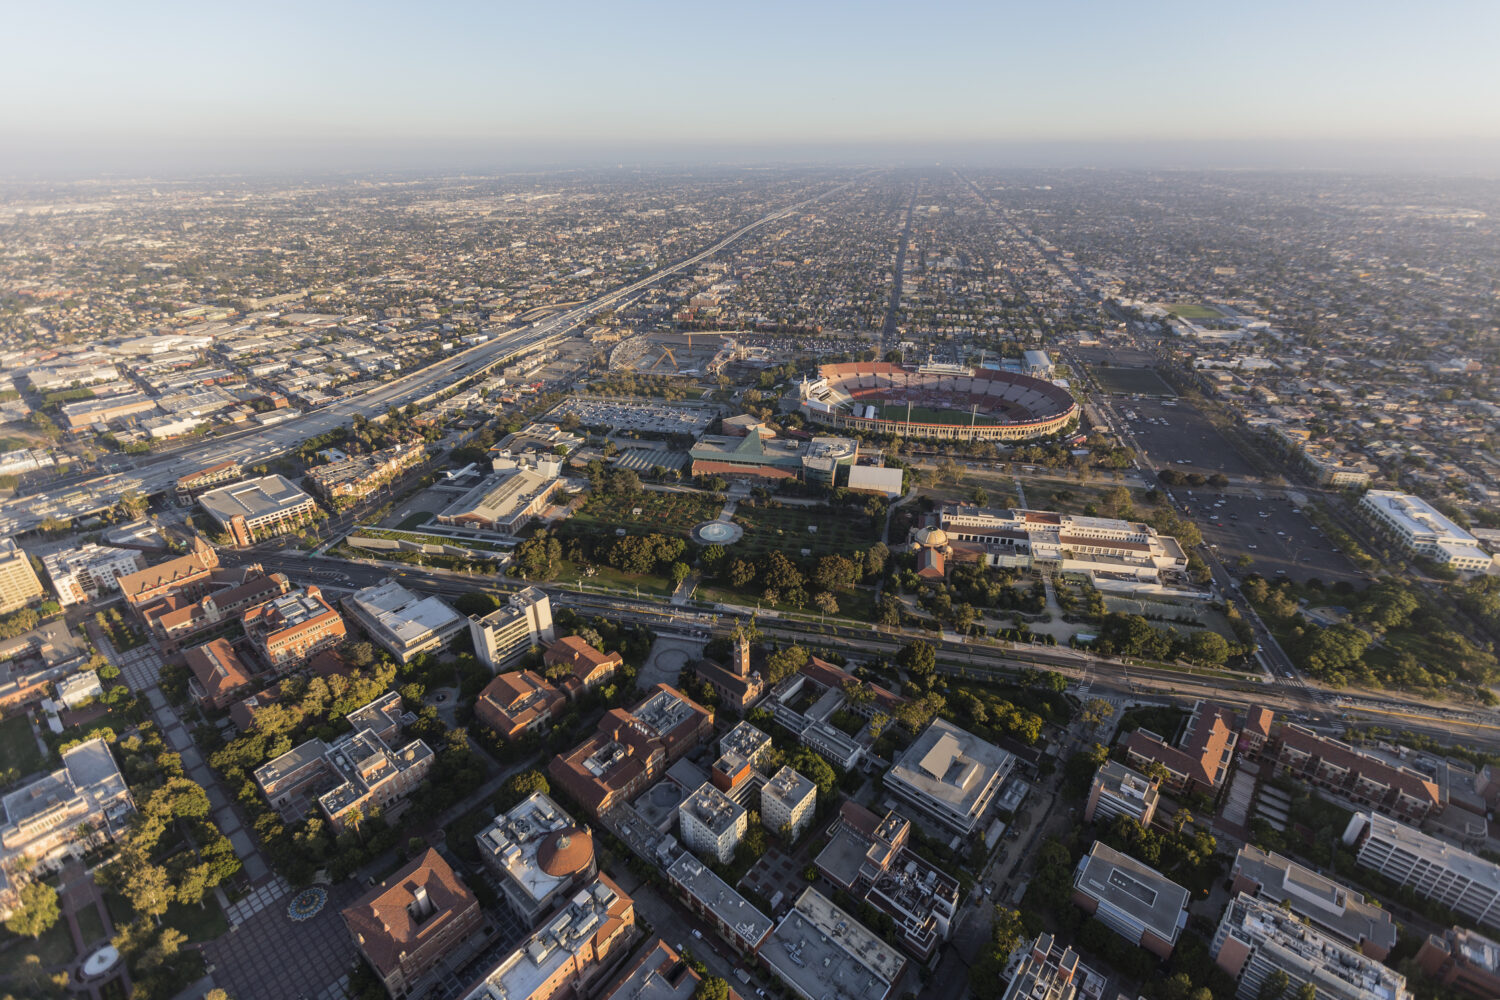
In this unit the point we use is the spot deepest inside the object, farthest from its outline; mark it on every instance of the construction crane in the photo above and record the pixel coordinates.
(666, 355)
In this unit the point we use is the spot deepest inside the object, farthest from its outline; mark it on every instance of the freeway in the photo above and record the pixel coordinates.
(24, 513)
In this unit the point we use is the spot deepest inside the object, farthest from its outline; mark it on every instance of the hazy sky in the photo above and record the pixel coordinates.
(91, 86)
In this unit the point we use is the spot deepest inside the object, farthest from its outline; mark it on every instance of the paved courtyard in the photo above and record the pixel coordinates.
(272, 957)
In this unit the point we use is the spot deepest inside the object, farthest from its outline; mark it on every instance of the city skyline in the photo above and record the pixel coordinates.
(178, 89)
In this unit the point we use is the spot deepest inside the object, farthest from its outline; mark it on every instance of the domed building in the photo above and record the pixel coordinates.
(931, 546)
(540, 854)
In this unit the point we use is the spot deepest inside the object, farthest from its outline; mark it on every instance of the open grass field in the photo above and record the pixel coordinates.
(1132, 381)
(928, 415)
(54, 947)
(1193, 310)
(667, 513)
(18, 747)
(786, 529)
(416, 520)
(609, 578)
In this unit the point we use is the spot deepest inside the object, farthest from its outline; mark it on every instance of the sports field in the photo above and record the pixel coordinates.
(1132, 381)
(1188, 310)
(927, 415)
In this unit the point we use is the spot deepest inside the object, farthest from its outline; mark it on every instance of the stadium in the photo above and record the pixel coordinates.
(936, 402)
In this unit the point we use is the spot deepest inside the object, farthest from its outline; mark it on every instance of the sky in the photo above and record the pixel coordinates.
(462, 84)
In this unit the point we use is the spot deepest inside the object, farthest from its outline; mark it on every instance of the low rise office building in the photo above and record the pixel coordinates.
(513, 629)
(951, 776)
(1257, 939)
(258, 508)
(818, 950)
(1048, 971)
(407, 926)
(518, 704)
(578, 667)
(1334, 909)
(659, 974)
(291, 628)
(1463, 960)
(403, 623)
(219, 676)
(1420, 529)
(1135, 901)
(81, 805)
(718, 905)
(504, 502)
(186, 577)
(175, 621)
(538, 854)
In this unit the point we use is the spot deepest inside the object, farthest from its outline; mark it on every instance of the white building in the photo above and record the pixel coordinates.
(508, 632)
(1256, 939)
(1420, 529)
(1466, 884)
(950, 775)
(788, 800)
(747, 741)
(82, 574)
(712, 823)
(405, 623)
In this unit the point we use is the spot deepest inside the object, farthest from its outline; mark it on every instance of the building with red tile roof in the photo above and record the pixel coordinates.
(219, 675)
(588, 668)
(1361, 778)
(407, 925)
(1200, 761)
(518, 703)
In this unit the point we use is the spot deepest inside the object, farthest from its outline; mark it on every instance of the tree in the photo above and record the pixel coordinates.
(1096, 711)
(1156, 771)
(1307, 991)
(783, 663)
(525, 784)
(1274, 986)
(37, 913)
(680, 571)
(711, 988)
(814, 768)
(1207, 647)
(918, 659)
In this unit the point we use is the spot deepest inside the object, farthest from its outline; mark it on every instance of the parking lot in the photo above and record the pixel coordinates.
(1280, 540)
(645, 418)
(1179, 437)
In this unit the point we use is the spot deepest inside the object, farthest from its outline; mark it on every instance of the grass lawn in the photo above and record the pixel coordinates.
(608, 576)
(1132, 381)
(18, 747)
(199, 923)
(1192, 310)
(1071, 497)
(54, 947)
(667, 513)
(421, 517)
(90, 924)
(928, 415)
(785, 529)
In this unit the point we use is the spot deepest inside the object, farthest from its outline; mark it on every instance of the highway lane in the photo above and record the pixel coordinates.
(24, 513)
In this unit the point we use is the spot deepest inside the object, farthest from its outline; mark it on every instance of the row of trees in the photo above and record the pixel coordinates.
(1132, 635)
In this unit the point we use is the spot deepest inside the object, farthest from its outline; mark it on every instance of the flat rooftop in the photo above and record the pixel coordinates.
(715, 810)
(1337, 909)
(404, 616)
(716, 895)
(1148, 896)
(253, 498)
(1334, 969)
(825, 952)
(951, 766)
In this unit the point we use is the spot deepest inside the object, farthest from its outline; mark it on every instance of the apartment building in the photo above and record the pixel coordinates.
(1118, 791)
(712, 823)
(81, 805)
(410, 923)
(258, 508)
(291, 628)
(869, 857)
(1334, 909)
(1257, 939)
(1200, 761)
(218, 474)
(357, 773)
(510, 631)
(404, 624)
(357, 476)
(1422, 530)
(587, 668)
(951, 776)
(1362, 778)
(517, 704)
(787, 802)
(568, 957)
(631, 749)
(19, 585)
(747, 741)
(538, 854)
(1463, 960)
(1135, 901)
(1465, 883)
(819, 951)
(80, 575)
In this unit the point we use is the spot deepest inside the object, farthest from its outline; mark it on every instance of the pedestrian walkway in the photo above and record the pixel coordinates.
(272, 892)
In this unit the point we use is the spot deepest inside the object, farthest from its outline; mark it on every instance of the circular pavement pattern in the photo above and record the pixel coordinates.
(718, 533)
